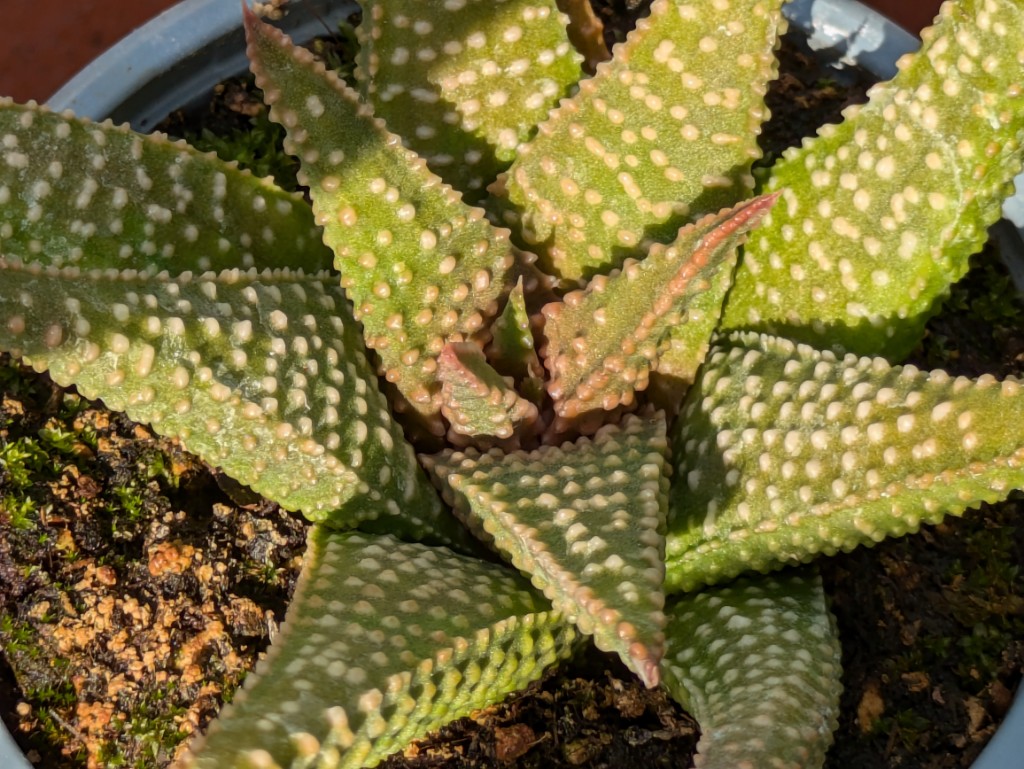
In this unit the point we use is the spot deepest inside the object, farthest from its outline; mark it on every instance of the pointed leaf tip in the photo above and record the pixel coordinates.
(592, 541)
(480, 405)
(603, 342)
(511, 349)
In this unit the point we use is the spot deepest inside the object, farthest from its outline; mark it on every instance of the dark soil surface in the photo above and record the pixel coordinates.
(137, 587)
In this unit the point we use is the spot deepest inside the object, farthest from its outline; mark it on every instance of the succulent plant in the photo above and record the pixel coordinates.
(649, 382)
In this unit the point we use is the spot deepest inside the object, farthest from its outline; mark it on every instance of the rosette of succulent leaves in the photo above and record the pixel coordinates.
(637, 387)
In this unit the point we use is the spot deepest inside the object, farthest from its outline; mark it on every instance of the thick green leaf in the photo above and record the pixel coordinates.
(785, 452)
(603, 342)
(482, 408)
(512, 350)
(663, 133)
(260, 373)
(383, 642)
(880, 214)
(757, 663)
(464, 82)
(584, 521)
(421, 268)
(73, 192)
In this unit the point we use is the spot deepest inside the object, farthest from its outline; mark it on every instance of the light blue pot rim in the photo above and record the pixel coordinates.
(184, 51)
(198, 43)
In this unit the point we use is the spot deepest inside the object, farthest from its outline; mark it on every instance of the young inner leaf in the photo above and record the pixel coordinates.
(481, 407)
(603, 342)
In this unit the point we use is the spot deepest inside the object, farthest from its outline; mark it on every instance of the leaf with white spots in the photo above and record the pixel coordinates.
(603, 342)
(383, 643)
(663, 133)
(879, 215)
(464, 82)
(261, 373)
(785, 453)
(511, 350)
(585, 522)
(74, 192)
(421, 267)
(757, 663)
(482, 408)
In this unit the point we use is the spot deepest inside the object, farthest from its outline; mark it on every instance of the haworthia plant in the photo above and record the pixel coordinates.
(196, 297)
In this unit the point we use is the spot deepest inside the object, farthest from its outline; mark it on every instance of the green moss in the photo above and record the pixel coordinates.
(22, 511)
(256, 142)
(256, 147)
(21, 460)
(153, 727)
(42, 676)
